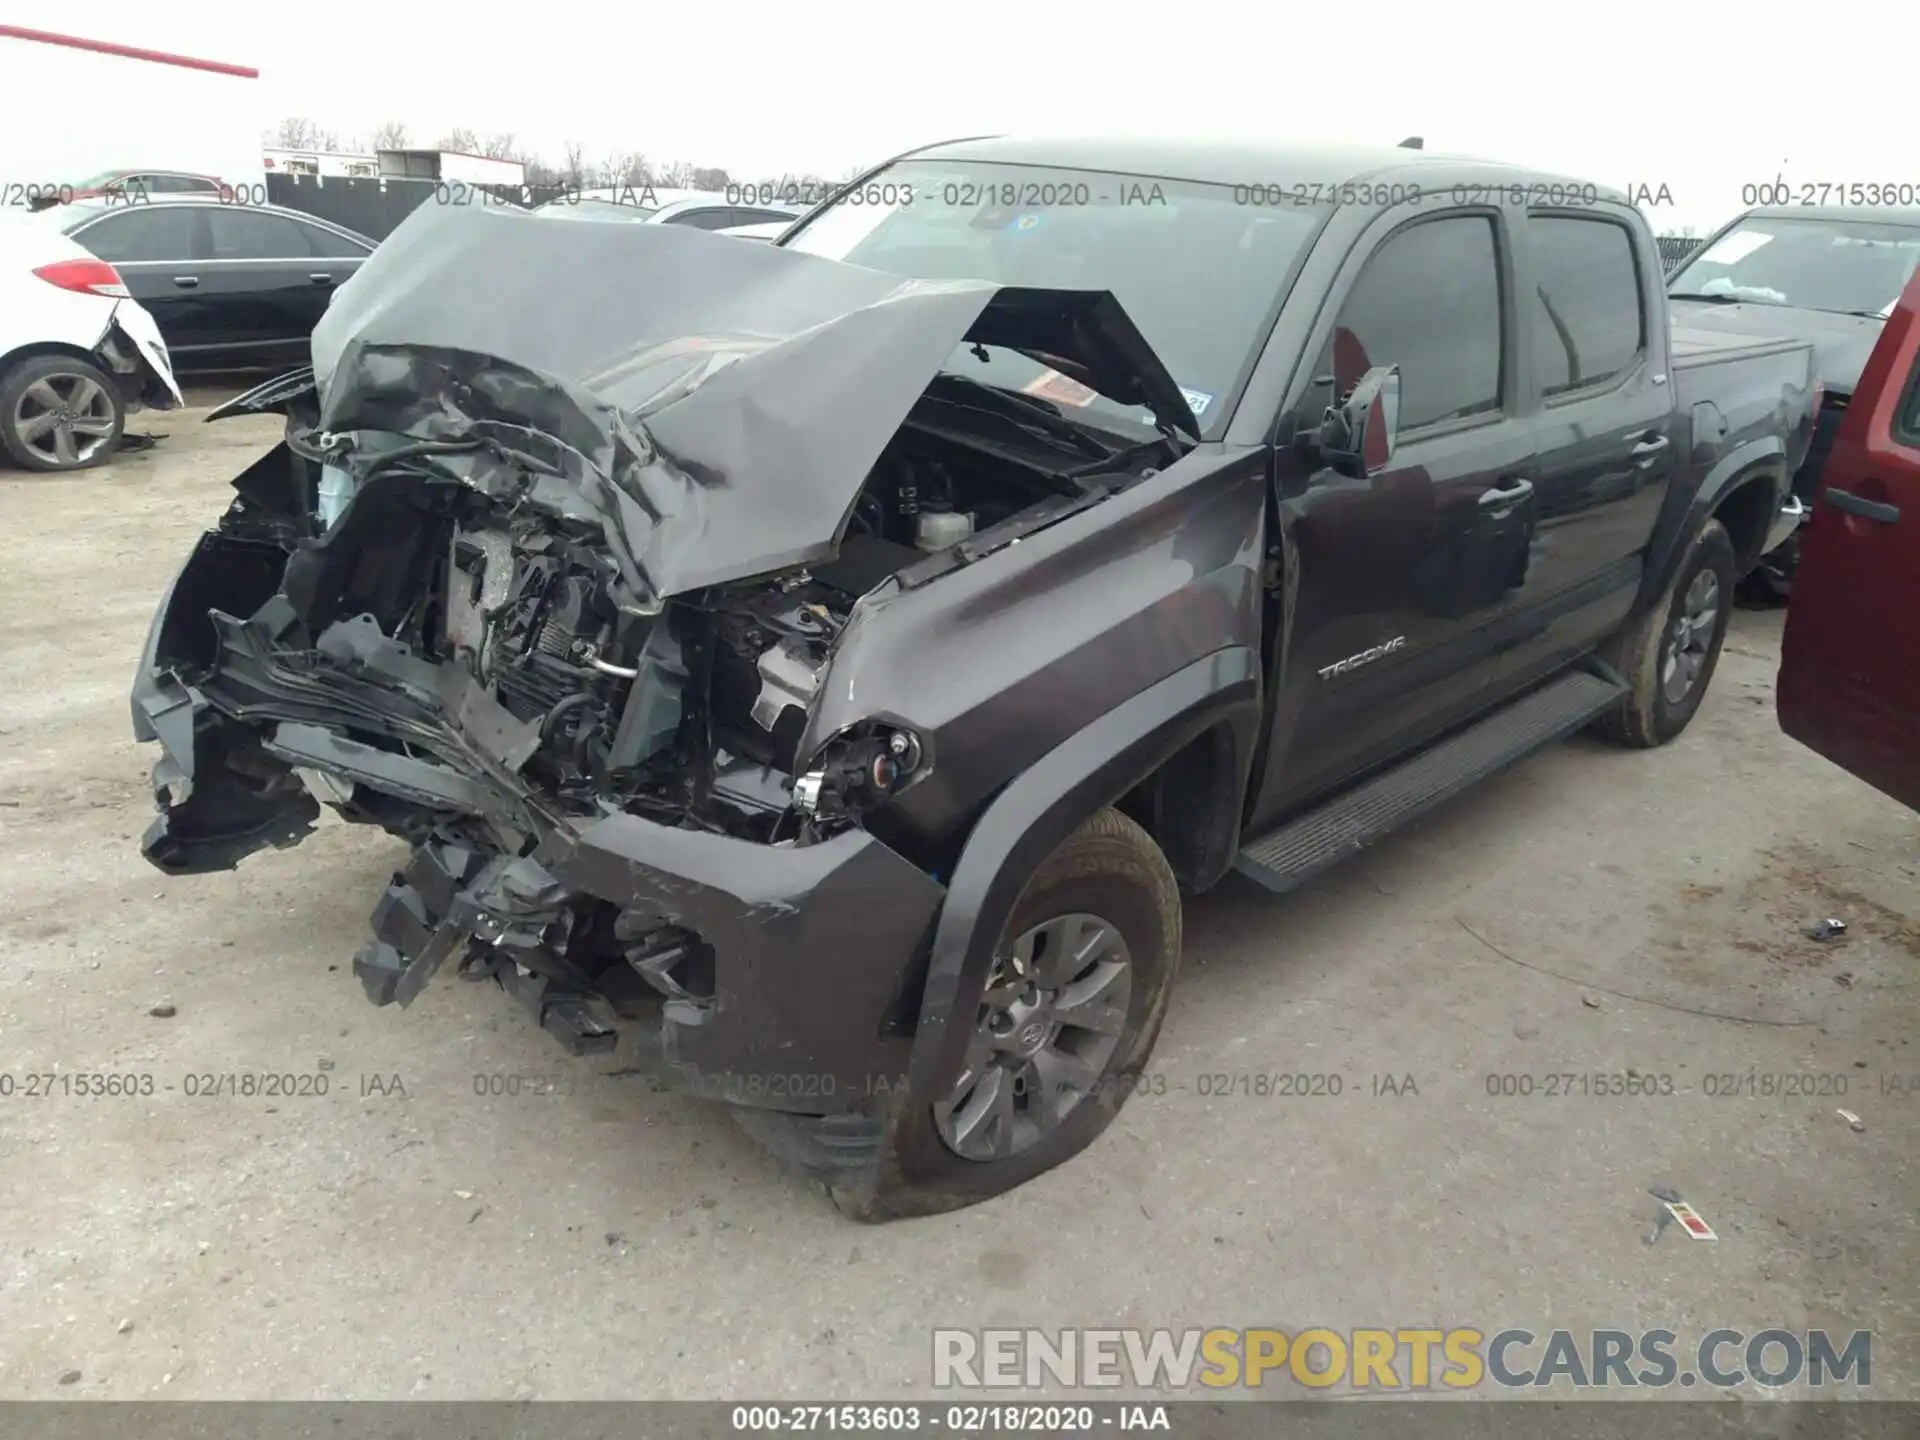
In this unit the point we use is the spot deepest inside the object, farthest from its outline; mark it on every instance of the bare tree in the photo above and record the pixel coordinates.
(460, 140)
(390, 136)
(573, 166)
(677, 176)
(629, 168)
(710, 177)
(500, 147)
(293, 133)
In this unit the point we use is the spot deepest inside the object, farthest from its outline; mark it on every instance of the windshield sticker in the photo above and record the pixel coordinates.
(1026, 222)
(1064, 389)
(1736, 247)
(1197, 401)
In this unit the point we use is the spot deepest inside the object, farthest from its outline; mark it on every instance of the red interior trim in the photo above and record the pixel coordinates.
(128, 52)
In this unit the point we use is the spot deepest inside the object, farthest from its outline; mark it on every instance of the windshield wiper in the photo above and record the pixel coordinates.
(1027, 411)
(1717, 298)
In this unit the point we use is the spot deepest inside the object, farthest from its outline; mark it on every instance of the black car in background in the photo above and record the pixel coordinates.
(232, 287)
(1829, 275)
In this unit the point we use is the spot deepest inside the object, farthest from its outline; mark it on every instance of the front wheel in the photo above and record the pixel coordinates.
(1668, 654)
(1064, 1024)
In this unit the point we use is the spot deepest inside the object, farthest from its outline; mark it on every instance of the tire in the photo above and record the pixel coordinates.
(25, 393)
(1109, 869)
(1653, 713)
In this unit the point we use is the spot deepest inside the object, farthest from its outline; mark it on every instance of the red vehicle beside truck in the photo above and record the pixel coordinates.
(1850, 661)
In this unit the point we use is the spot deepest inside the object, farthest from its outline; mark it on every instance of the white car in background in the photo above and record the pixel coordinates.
(764, 230)
(704, 210)
(77, 353)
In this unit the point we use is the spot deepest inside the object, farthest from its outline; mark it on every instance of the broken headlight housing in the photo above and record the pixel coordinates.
(859, 769)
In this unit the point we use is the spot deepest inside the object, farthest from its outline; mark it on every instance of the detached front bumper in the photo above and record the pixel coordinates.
(780, 977)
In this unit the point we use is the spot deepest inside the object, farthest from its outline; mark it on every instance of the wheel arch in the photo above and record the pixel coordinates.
(34, 349)
(1118, 755)
(1762, 461)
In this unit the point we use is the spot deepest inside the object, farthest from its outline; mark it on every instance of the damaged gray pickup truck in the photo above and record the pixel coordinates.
(822, 666)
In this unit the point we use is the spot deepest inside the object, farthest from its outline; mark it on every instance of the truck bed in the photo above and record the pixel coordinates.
(1693, 347)
(1738, 386)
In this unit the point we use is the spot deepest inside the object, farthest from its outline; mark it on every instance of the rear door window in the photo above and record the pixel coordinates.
(243, 234)
(1589, 322)
(324, 243)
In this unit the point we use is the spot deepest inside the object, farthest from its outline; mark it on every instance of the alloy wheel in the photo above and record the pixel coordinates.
(1053, 1013)
(65, 419)
(1690, 638)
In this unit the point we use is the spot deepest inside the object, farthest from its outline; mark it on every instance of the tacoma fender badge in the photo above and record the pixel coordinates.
(1365, 657)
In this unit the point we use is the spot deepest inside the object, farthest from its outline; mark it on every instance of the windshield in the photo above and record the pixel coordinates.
(100, 181)
(1197, 270)
(1850, 266)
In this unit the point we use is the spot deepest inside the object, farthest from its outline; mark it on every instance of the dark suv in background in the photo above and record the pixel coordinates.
(1828, 275)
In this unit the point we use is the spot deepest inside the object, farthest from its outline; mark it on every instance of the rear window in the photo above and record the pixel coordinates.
(1588, 324)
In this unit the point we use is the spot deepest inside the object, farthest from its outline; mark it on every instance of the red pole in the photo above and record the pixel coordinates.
(128, 52)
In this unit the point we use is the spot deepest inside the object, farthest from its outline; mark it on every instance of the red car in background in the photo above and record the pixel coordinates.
(1850, 660)
(130, 185)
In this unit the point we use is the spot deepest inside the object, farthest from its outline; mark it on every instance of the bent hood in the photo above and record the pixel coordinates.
(730, 398)
(1841, 343)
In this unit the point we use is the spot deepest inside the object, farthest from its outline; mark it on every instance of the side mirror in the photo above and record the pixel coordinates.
(1357, 435)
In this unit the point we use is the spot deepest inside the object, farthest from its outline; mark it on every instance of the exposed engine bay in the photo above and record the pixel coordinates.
(688, 712)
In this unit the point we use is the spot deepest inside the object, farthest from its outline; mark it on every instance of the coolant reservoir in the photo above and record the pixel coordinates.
(338, 486)
(938, 527)
(336, 489)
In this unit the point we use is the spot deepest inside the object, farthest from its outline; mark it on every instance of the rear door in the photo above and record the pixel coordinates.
(1595, 361)
(272, 280)
(1850, 659)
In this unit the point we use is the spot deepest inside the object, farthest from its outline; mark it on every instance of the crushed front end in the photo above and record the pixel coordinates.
(599, 784)
(562, 622)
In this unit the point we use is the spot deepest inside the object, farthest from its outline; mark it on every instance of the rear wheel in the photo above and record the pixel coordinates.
(58, 412)
(1668, 654)
(1064, 1024)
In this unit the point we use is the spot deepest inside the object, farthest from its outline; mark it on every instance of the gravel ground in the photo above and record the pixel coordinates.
(402, 1236)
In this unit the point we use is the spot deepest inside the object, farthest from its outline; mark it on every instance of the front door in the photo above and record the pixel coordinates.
(1850, 659)
(1396, 578)
(157, 249)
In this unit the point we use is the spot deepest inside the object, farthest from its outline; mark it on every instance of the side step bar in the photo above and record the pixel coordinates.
(1285, 858)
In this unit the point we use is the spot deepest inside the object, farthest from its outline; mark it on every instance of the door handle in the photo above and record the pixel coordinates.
(186, 282)
(1650, 447)
(321, 277)
(1511, 494)
(1864, 508)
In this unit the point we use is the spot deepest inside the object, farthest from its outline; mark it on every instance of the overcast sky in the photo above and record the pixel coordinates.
(1701, 99)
